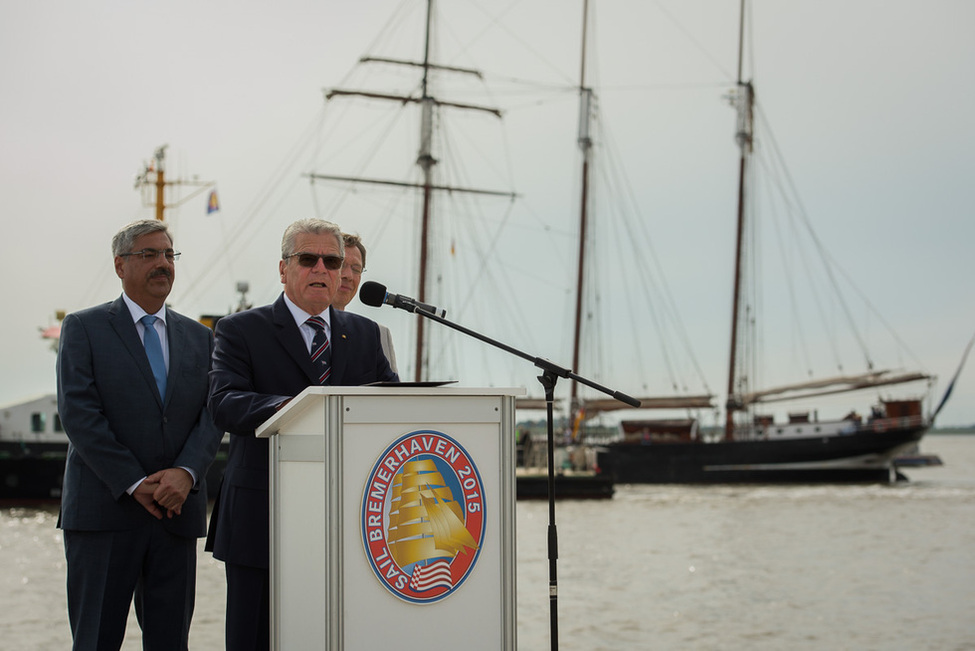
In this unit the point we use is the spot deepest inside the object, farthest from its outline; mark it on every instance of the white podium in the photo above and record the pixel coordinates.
(393, 519)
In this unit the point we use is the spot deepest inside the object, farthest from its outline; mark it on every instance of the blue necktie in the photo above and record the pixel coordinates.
(154, 353)
(321, 352)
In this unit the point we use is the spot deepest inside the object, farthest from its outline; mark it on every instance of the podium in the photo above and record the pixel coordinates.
(392, 515)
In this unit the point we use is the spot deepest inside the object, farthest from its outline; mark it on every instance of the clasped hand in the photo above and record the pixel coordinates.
(166, 489)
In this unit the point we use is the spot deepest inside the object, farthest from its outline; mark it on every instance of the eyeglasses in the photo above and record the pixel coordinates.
(151, 254)
(333, 262)
(356, 270)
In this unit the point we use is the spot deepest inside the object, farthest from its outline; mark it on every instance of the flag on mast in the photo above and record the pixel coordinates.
(212, 204)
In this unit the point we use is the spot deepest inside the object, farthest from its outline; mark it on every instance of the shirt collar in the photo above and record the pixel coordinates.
(137, 312)
(300, 316)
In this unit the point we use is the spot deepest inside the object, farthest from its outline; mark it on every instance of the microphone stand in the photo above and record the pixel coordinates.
(549, 377)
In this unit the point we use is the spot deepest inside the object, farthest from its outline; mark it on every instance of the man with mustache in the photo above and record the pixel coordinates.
(262, 359)
(132, 388)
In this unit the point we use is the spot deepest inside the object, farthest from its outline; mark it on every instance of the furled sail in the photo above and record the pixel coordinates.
(840, 384)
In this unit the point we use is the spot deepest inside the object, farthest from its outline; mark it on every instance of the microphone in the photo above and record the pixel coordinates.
(375, 294)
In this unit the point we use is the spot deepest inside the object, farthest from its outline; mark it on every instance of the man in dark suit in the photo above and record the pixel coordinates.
(141, 439)
(263, 358)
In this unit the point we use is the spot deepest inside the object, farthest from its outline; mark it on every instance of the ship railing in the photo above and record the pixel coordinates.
(881, 425)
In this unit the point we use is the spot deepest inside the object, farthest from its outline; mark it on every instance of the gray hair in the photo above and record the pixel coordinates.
(309, 227)
(128, 234)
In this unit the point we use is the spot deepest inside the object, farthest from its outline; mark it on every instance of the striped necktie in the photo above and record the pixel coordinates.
(321, 351)
(154, 352)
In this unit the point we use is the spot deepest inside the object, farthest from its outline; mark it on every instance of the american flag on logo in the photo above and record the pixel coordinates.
(430, 576)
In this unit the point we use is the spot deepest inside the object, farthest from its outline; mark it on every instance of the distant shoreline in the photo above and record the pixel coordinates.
(952, 430)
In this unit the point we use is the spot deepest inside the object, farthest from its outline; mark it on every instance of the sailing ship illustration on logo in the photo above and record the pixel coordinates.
(423, 516)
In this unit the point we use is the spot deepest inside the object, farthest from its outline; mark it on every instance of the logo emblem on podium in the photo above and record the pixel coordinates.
(423, 516)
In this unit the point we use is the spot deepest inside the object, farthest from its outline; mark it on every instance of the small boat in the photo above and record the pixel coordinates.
(576, 477)
(914, 458)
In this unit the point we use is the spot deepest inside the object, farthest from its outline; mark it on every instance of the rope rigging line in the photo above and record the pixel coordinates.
(245, 231)
(640, 236)
(828, 262)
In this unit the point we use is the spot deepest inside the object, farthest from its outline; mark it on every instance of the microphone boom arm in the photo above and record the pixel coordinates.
(545, 365)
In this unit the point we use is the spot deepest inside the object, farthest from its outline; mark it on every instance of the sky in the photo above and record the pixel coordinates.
(870, 104)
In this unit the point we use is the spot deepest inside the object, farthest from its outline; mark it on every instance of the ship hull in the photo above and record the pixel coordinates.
(36, 472)
(863, 456)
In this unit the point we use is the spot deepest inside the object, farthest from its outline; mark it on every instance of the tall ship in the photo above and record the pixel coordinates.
(749, 444)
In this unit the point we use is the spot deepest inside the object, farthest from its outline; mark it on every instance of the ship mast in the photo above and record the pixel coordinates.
(425, 160)
(585, 145)
(160, 183)
(744, 99)
(587, 99)
(153, 177)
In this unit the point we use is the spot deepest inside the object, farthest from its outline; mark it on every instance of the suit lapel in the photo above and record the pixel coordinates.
(121, 320)
(340, 344)
(290, 339)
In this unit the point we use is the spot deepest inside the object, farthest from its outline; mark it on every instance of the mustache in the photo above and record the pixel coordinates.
(161, 272)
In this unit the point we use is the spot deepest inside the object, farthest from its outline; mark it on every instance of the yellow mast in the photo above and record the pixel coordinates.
(154, 175)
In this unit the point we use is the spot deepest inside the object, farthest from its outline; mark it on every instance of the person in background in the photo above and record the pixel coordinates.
(263, 358)
(132, 390)
(355, 264)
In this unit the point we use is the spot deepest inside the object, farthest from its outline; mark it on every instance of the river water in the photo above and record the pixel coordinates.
(665, 567)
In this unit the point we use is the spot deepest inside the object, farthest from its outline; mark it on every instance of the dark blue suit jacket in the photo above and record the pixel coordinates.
(119, 427)
(260, 360)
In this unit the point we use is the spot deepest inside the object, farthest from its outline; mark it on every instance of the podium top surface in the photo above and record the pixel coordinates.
(310, 396)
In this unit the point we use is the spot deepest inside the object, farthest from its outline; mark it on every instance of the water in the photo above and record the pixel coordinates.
(666, 567)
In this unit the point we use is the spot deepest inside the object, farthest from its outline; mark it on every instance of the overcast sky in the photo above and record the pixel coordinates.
(871, 104)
